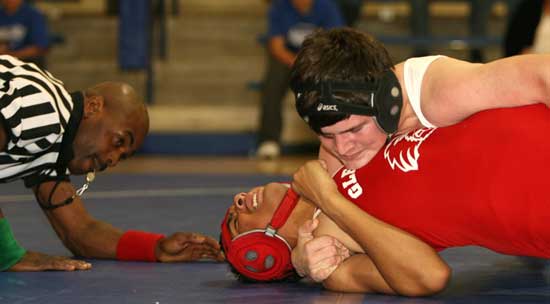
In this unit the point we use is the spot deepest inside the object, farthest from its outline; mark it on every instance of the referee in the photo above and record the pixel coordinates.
(46, 134)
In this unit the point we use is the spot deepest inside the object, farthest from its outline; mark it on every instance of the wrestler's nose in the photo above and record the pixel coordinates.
(342, 144)
(238, 200)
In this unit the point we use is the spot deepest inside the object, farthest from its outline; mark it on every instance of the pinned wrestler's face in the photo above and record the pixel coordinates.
(354, 141)
(254, 210)
(106, 136)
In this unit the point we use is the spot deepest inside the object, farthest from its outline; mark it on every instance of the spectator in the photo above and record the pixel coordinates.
(477, 24)
(528, 26)
(23, 31)
(289, 22)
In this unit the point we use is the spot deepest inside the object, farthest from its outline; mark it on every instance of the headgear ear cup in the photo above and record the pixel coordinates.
(388, 102)
(261, 257)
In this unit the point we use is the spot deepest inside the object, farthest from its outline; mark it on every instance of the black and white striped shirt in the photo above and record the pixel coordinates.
(40, 119)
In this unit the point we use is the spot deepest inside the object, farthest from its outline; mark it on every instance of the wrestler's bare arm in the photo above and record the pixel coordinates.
(360, 274)
(357, 273)
(453, 90)
(328, 227)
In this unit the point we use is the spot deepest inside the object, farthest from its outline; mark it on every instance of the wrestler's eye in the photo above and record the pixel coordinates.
(229, 221)
(327, 136)
(229, 218)
(233, 224)
(357, 128)
(119, 142)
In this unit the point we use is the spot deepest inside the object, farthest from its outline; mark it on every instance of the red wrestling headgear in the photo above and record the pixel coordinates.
(261, 254)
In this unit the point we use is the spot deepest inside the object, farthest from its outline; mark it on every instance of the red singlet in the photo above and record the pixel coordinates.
(482, 182)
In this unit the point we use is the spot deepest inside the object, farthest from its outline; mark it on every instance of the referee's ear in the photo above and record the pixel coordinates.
(93, 105)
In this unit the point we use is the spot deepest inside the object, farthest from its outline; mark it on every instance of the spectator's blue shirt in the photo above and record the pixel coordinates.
(284, 20)
(24, 28)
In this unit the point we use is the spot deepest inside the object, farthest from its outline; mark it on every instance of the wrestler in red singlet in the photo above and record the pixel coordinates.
(482, 182)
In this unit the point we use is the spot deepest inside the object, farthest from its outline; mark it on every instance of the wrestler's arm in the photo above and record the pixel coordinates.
(88, 237)
(360, 274)
(453, 90)
(407, 265)
(316, 257)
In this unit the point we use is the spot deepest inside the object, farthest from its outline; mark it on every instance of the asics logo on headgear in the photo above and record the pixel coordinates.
(322, 107)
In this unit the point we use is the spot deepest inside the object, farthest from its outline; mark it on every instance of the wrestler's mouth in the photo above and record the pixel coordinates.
(254, 199)
(350, 157)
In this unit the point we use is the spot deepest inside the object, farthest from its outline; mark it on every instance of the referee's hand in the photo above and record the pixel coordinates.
(36, 261)
(188, 246)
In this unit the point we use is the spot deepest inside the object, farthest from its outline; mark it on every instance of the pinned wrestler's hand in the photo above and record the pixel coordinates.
(188, 246)
(35, 261)
(313, 182)
(317, 257)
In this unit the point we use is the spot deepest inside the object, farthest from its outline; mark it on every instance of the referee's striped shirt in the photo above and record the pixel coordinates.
(40, 119)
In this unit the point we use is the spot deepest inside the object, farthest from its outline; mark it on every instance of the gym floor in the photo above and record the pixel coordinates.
(192, 195)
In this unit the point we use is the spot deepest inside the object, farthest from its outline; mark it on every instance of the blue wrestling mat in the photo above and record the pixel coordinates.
(169, 203)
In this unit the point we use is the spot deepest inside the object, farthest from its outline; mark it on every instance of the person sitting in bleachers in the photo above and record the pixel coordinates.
(23, 31)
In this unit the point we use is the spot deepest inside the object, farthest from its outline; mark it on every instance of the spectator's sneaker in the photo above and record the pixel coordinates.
(268, 150)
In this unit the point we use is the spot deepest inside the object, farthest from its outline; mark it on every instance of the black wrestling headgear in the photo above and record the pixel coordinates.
(384, 101)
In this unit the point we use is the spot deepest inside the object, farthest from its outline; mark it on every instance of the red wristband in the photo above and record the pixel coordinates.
(137, 246)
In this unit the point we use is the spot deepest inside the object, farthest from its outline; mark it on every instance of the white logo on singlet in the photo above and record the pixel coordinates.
(403, 151)
(351, 185)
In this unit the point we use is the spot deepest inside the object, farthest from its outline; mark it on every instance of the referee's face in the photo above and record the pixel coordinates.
(103, 139)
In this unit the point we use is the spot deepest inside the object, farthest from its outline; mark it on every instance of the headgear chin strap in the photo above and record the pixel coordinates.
(384, 101)
(261, 254)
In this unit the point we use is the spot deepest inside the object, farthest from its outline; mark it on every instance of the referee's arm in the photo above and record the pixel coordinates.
(36, 261)
(80, 232)
(88, 237)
